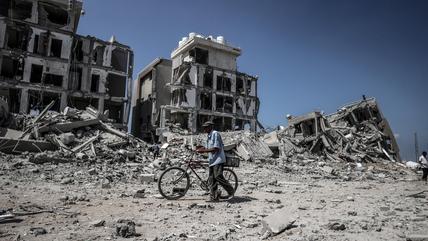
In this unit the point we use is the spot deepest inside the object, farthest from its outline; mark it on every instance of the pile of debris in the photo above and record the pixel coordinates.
(238, 145)
(72, 134)
(356, 133)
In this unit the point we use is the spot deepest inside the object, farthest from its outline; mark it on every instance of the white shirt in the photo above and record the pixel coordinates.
(423, 161)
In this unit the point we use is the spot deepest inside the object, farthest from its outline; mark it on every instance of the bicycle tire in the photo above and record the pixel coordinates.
(173, 195)
(230, 176)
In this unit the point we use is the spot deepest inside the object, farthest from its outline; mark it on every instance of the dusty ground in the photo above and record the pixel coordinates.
(369, 209)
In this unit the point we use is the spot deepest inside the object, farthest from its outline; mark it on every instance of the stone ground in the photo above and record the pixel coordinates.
(378, 209)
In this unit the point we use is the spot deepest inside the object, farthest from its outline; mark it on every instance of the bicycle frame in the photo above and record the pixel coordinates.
(192, 165)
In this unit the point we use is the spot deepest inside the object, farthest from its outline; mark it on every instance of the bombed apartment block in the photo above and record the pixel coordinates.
(43, 59)
(358, 132)
(204, 85)
(150, 94)
(366, 115)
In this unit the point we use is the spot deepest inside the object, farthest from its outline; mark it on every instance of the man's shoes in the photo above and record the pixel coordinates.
(215, 197)
(229, 196)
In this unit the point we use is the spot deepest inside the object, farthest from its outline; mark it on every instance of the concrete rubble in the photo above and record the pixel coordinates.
(59, 137)
(98, 166)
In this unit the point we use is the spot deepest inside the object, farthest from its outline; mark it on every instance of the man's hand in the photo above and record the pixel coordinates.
(201, 149)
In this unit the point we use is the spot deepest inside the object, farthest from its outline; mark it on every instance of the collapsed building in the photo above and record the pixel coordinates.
(200, 83)
(42, 59)
(357, 132)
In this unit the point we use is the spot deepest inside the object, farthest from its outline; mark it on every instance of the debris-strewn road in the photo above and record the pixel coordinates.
(58, 202)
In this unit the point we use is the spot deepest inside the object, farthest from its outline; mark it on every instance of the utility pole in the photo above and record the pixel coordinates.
(416, 147)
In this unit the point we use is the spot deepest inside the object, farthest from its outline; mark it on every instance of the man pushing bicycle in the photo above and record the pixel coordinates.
(216, 159)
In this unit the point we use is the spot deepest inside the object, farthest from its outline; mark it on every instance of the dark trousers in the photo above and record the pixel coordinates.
(216, 177)
(424, 173)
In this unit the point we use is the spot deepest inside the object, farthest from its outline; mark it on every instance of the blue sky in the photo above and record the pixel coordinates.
(309, 55)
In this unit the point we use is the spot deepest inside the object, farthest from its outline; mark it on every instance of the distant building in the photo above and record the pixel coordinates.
(43, 59)
(204, 84)
(150, 93)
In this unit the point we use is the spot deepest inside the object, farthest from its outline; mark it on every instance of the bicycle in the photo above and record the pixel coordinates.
(174, 182)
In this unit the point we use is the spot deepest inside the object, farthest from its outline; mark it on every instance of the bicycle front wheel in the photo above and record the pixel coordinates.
(173, 183)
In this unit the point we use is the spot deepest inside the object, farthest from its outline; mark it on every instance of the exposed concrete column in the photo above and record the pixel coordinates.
(162, 118)
(214, 103)
(253, 125)
(23, 105)
(233, 123)
(192, 121)
(64, 97)
(125, 105)
(101, 104)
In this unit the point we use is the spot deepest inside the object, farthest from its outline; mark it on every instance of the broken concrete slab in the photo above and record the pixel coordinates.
(147, 178)
(10, 133)
(278, 221)
(41, 158)
(18, 146)
(253, 148)
(67, 127)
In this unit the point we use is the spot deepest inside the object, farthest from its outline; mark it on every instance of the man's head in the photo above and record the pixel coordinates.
(424, 153)
(208, 126)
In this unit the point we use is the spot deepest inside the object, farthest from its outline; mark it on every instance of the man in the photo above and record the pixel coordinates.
(216, 160)
(424, 165)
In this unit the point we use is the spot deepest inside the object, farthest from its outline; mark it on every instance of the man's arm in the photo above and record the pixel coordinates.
(207, 150)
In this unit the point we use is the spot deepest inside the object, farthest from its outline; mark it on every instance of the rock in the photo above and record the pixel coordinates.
(66, 180)
(327, 169)
(105, 184)
(278, 221)
(251, 225)
(336, 226)
(81, 156)
(384, 208)
(352, 213)
(349, 198)
(346, 178)
(38, 231)
(160, 163)
(92, 171)
(125, 228)
(147, 178)
(67, 138)
(98, 223)
(140, 193)
(381, 175)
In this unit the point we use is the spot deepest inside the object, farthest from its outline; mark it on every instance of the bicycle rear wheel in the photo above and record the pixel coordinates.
(173, 183)
(231, 177)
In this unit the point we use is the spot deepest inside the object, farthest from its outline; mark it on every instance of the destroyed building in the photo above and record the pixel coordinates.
(204, 85)
(357, 132)
(151, 93)
(43, 59)
(367, 113)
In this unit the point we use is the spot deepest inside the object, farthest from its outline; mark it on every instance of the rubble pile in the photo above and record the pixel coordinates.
(355, 139)
(71, 134)
(86, 143)
(354, 134)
